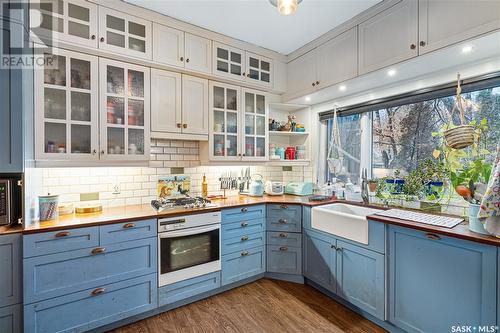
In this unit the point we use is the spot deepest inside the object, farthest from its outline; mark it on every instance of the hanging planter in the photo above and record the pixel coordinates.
(461, 136)
(335, 157)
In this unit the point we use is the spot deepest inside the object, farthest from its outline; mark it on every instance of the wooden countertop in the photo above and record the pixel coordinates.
(140, 212)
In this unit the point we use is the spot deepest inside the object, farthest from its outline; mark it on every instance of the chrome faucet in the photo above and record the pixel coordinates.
(364, 187)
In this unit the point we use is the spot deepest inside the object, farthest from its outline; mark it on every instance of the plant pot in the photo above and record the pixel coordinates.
(395, 185)
(475, 224)
(372, 186)
(459, 137)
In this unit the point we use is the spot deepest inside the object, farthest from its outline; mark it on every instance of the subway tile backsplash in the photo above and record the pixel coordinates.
(118, 186)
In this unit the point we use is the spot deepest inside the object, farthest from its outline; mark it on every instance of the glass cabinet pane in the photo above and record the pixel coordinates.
(116, 80)
(135, 141)
(261, 104)
(265, 77)
(222, 54)
(80, 74)
(52, 23)
(249, 103)
(137, 29)
(115, 110)
(222, 66)
(236, 57)
(253, 74)
(80, 106)
(80, 139)
(115, 23)
(219, 122)
(260, 126)
(219, 145)
(218, 97)
(254, 63)
(249, 124)
(51, 6)
(235, 69)
(116, 141)
(232, 145)
(232, 122)
(115, 39)
(78, 30)
(137, 44)
(249, 146)
(260, 147)
(57, 75)
(135, 83)
(78, 12)
(55, 138)
(231, 102)
(55, 103)
(265, 66)
(135, 112)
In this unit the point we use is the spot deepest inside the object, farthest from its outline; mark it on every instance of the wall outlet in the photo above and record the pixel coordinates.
(90, 196)
(117, 189)
(286, 168)
(177, 171)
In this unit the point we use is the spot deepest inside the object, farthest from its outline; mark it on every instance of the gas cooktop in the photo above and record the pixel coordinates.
(187, 202)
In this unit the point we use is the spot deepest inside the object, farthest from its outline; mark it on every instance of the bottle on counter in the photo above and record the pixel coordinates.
(204, 187)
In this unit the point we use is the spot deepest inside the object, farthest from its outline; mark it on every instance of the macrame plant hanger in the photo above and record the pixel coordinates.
(335, 155)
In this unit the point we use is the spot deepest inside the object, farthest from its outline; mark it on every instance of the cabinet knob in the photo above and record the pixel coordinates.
(244, 210)
(413, 46)
(244, 224)
(317, 83)
(283, 248)
(184, 125)
(282, 221)
(283, 235)
(243, 155)
(244, 74)
(97, 291)
(248, 75)
(92, 37)
(94, 151)
(128, 225)
(179, 125)
(98, 250)
(187, 60)
(433, 236)
(62, 234)
(102, 39)
(181, 59)
(244, 253)
(422, 43)
(102, 152)
(244, 238)
(313, 84)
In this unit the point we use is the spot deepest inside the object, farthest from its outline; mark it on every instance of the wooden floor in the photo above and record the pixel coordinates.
(262, 306)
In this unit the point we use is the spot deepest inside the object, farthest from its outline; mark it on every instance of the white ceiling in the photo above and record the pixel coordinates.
(258, 22)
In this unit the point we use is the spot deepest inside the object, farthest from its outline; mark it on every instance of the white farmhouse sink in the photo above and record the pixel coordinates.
(343, 220)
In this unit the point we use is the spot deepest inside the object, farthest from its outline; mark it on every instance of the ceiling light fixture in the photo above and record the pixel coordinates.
(285, 7)
(467, 49)
(308, 99)
(342, 87)
(391, 72)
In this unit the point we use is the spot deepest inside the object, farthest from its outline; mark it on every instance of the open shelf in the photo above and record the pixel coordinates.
(282, 133)
(288, 162)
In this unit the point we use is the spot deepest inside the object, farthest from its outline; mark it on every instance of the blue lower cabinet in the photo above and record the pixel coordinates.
(89, 309)
(239, 243)
(188, 288)
(10, 319)
(239, 214)
(127, 231)
(241, 228)
(284, 259)
(63, 273)
(360, 277)
(243, 264)
(438, 282)
(319, 259)
(284, 238)
(10, 269)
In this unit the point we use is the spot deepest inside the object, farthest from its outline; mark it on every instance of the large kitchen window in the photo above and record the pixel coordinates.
(401, 134)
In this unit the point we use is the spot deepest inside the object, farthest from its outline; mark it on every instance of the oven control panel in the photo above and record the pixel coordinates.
(188, 221)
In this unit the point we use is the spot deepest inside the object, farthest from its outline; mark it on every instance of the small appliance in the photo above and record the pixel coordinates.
(274, 188)
(256, 186)
(299, 188)
(10, 200)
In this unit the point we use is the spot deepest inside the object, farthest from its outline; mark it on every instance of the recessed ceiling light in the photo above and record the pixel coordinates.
(391, 72)
(308, 99)
(342, 87)
(467, 49)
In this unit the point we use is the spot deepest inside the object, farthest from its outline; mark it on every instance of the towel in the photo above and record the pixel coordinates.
(489, 212)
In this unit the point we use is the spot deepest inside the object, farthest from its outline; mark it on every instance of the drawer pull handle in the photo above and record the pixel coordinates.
(282, 221)
(98, 291)
(128, 225)
(244, 253)
(432, 236)
(244, 210)
(283, 235)
(98, 250)
(244, 238)
(284, 206)
(62, 234)
(333, 247)
(283, 248)
(244, 224)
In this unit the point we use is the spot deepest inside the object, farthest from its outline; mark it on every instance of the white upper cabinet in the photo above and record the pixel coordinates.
(228, 61)
(442, 23)
(66, 108)
(389, 37)
(123, 33)
(259, 69)
(194, 105)
(198, 53)
(72, 21)
(337, 59)
(125, 111)
(302, 74)
(166, 112)
(255, 125)
(168, 45)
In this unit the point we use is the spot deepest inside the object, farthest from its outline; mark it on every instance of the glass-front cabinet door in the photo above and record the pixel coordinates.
(124, 111)
(254, 125)
(72, 21)
(66, 107)
(259, 69)
(224, 122)
(228, 61)
(124, 33)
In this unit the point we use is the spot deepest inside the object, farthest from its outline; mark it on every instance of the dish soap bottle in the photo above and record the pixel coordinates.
(204, 187)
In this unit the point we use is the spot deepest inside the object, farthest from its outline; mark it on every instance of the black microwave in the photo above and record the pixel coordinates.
(10, 201)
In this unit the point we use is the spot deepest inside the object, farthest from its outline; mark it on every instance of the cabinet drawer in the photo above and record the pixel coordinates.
(285, 211)
(10, 270)
(244, 264)
(284, 259)
(184, 289)
(91, 308)
(62, 273)
(284, 224)
(246, 227)
(124, 232)
(10, 319)
(239, 243)
(243, 213)
(284, 238)
(60, 241)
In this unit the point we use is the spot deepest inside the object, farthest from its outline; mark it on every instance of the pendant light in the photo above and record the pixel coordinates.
(285, 7)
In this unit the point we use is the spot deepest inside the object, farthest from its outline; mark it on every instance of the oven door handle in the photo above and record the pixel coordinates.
(188, 232)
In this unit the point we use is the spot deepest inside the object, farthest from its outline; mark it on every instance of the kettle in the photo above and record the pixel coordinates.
(257, 186)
